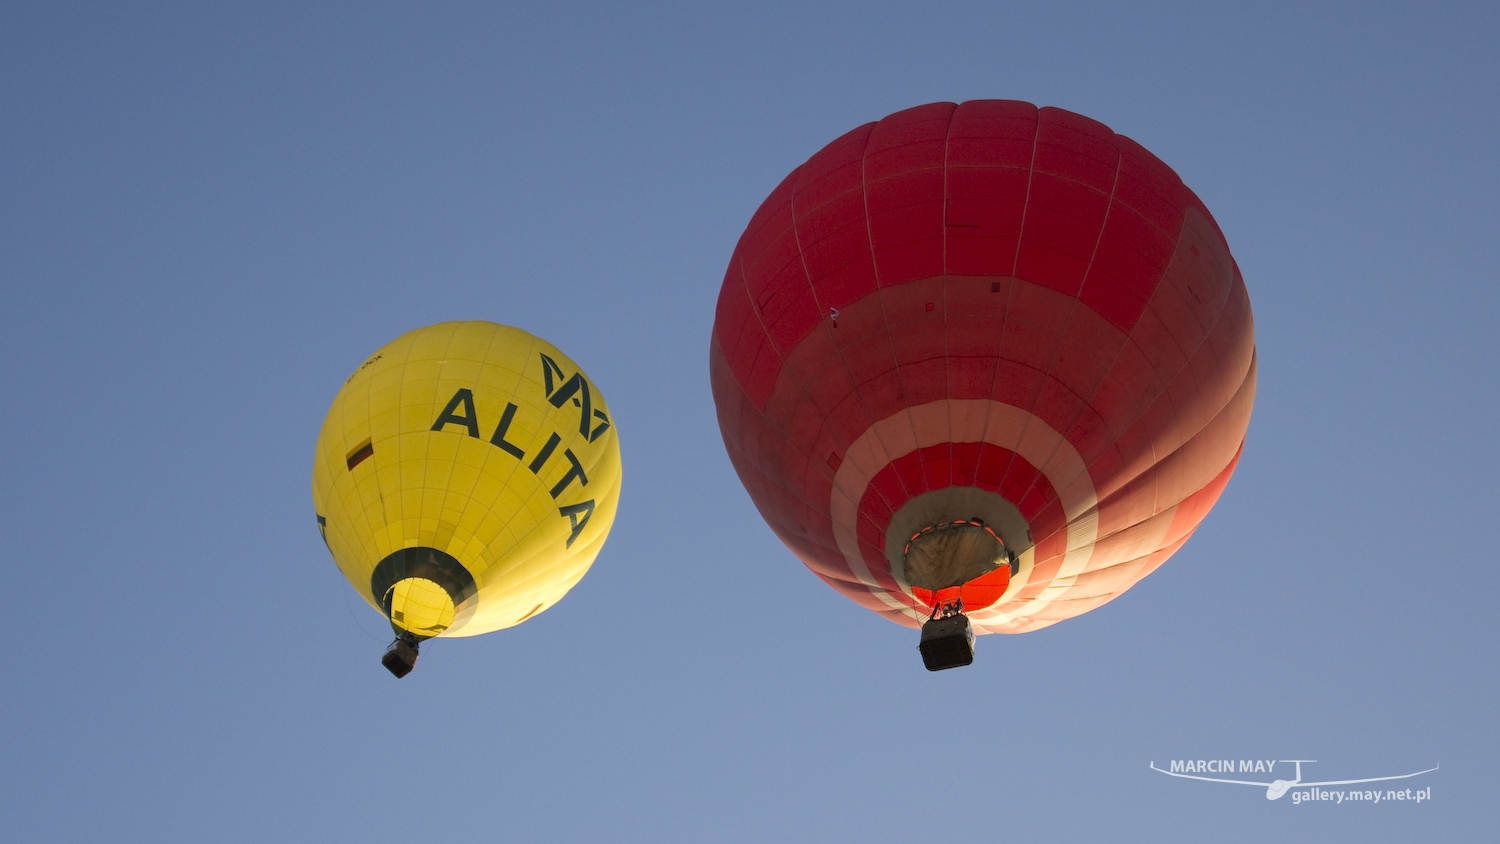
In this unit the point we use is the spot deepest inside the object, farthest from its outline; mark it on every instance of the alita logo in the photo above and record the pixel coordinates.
(577, 389)
(559, 388)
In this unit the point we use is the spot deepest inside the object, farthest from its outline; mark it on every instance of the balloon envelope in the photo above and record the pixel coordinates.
(465, 478)
(975, 319)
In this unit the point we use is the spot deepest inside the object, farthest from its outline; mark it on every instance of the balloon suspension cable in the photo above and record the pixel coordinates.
(956, 523)
(401, 657)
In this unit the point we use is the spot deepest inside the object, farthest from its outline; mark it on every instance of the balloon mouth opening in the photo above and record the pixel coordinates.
(419, 606)
(964, 559)
(424, 592)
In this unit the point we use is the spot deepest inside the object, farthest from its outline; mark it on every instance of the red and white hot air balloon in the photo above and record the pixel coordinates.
(983, 363)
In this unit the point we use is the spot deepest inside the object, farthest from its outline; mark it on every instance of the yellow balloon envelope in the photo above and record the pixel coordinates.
(466, 477)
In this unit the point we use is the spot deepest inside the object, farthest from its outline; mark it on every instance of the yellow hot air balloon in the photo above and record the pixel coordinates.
(465, 479)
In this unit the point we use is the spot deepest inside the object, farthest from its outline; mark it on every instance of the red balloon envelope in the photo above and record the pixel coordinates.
(985, 352)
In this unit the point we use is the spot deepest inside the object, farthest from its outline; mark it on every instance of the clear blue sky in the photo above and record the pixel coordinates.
(210, 215)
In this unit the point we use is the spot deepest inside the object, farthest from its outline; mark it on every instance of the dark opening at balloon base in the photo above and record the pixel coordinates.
(947, 642)
(401, 658)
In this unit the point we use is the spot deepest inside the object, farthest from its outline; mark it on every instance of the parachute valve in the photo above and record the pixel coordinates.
(947, 637)
(401, 657)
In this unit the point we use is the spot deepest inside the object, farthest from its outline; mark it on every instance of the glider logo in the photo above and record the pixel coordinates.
(1301, 791)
